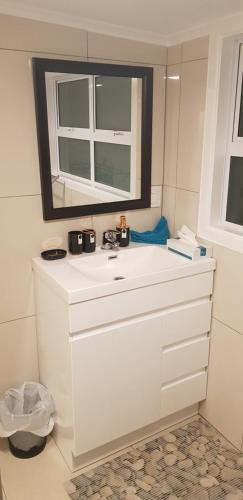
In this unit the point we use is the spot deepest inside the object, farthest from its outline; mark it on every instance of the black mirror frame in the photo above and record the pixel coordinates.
(40, 67)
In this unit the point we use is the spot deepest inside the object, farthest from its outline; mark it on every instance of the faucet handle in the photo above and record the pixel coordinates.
(110, 237)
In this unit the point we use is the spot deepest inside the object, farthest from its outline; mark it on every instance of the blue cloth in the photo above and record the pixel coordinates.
(158, 236)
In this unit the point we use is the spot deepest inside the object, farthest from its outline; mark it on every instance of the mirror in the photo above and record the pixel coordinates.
(94, 124)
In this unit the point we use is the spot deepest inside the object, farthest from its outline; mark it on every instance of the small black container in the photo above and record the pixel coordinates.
(54, 254)
(75, 242)
(123, 236)
(89, 240)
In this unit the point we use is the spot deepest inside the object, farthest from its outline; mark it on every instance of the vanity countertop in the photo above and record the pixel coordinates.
(107, 272)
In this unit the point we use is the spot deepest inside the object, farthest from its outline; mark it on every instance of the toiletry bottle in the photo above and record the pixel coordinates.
(123, 232)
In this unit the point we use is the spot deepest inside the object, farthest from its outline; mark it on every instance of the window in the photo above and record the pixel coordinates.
(221, 194)
(232, 207)
(96, 137)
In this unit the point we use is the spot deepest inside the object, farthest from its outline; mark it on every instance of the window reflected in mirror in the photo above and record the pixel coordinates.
(95, 125)
(96, 138)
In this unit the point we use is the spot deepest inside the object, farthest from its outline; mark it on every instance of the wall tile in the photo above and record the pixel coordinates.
(18, 353)
(195, 49)
(168, 207)
(145, 219)
(186, 211)
(22, 232)
(19, 156)
(25, 34)
(120, 49)
(158, 124)
(228, 288)
(174, 54)
(192, 107)
(224, 405)
(173, 84)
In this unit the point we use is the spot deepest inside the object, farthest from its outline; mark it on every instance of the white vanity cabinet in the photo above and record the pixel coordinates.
(117, 363)
(116, 379)
(131, 374)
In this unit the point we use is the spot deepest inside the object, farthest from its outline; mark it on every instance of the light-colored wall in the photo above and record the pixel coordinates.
(185, 104)
(224, 405)
(22, 228)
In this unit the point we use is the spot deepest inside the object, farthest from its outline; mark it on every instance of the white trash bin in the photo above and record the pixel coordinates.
(26, 418)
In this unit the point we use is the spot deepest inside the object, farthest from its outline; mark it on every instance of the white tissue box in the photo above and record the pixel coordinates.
(189, 251)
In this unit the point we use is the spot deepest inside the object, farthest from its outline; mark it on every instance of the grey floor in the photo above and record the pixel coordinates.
(193, 462)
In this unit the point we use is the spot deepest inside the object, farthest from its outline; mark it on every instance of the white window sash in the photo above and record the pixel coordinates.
(237, 81)
(235, 228)
(91, 134)
(109, 136)
(235, 143)
(79, 182)
(92, 127)
(52, 124)
(135, 158)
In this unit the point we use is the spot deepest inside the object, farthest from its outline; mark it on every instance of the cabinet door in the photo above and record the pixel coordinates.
(116, 382)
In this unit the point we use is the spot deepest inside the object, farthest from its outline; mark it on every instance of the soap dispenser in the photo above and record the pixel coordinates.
(123, 231)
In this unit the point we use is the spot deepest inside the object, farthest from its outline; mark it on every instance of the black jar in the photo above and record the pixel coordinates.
(89, 240)
(75, 242)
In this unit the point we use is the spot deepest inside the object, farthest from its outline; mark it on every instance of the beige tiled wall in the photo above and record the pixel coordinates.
(22, 228)
(185, 103)
(224, 404)
(185, 106)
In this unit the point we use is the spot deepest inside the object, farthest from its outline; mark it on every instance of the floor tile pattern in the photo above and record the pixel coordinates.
(193, 462)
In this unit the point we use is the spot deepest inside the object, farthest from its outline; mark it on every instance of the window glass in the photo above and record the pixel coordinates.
(73, 103)
(234, 211)
(240, 129)
(112, 165)
(74, 156)
(113, 103)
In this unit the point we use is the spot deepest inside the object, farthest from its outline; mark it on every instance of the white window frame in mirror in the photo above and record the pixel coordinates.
(219, 121)
(130, 138)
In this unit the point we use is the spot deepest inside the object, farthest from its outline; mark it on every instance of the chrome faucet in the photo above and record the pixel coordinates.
(110, 240)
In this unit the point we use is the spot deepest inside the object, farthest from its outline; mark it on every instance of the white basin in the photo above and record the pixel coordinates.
(89, 276)
(129, 263)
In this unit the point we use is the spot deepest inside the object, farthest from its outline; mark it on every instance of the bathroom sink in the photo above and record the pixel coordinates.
(105, 272)
(129, 263)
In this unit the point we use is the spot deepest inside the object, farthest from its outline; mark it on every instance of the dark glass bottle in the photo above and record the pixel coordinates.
(123, 232)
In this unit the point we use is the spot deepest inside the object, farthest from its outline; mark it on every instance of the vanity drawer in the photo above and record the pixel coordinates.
(117, 307)
(186, 321)
(183, 393)
(184, 358)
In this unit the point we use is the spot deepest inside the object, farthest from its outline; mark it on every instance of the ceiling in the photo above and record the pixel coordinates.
(151, 20)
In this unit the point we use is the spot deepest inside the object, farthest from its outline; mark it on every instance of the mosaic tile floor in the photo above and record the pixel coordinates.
(193, 462)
